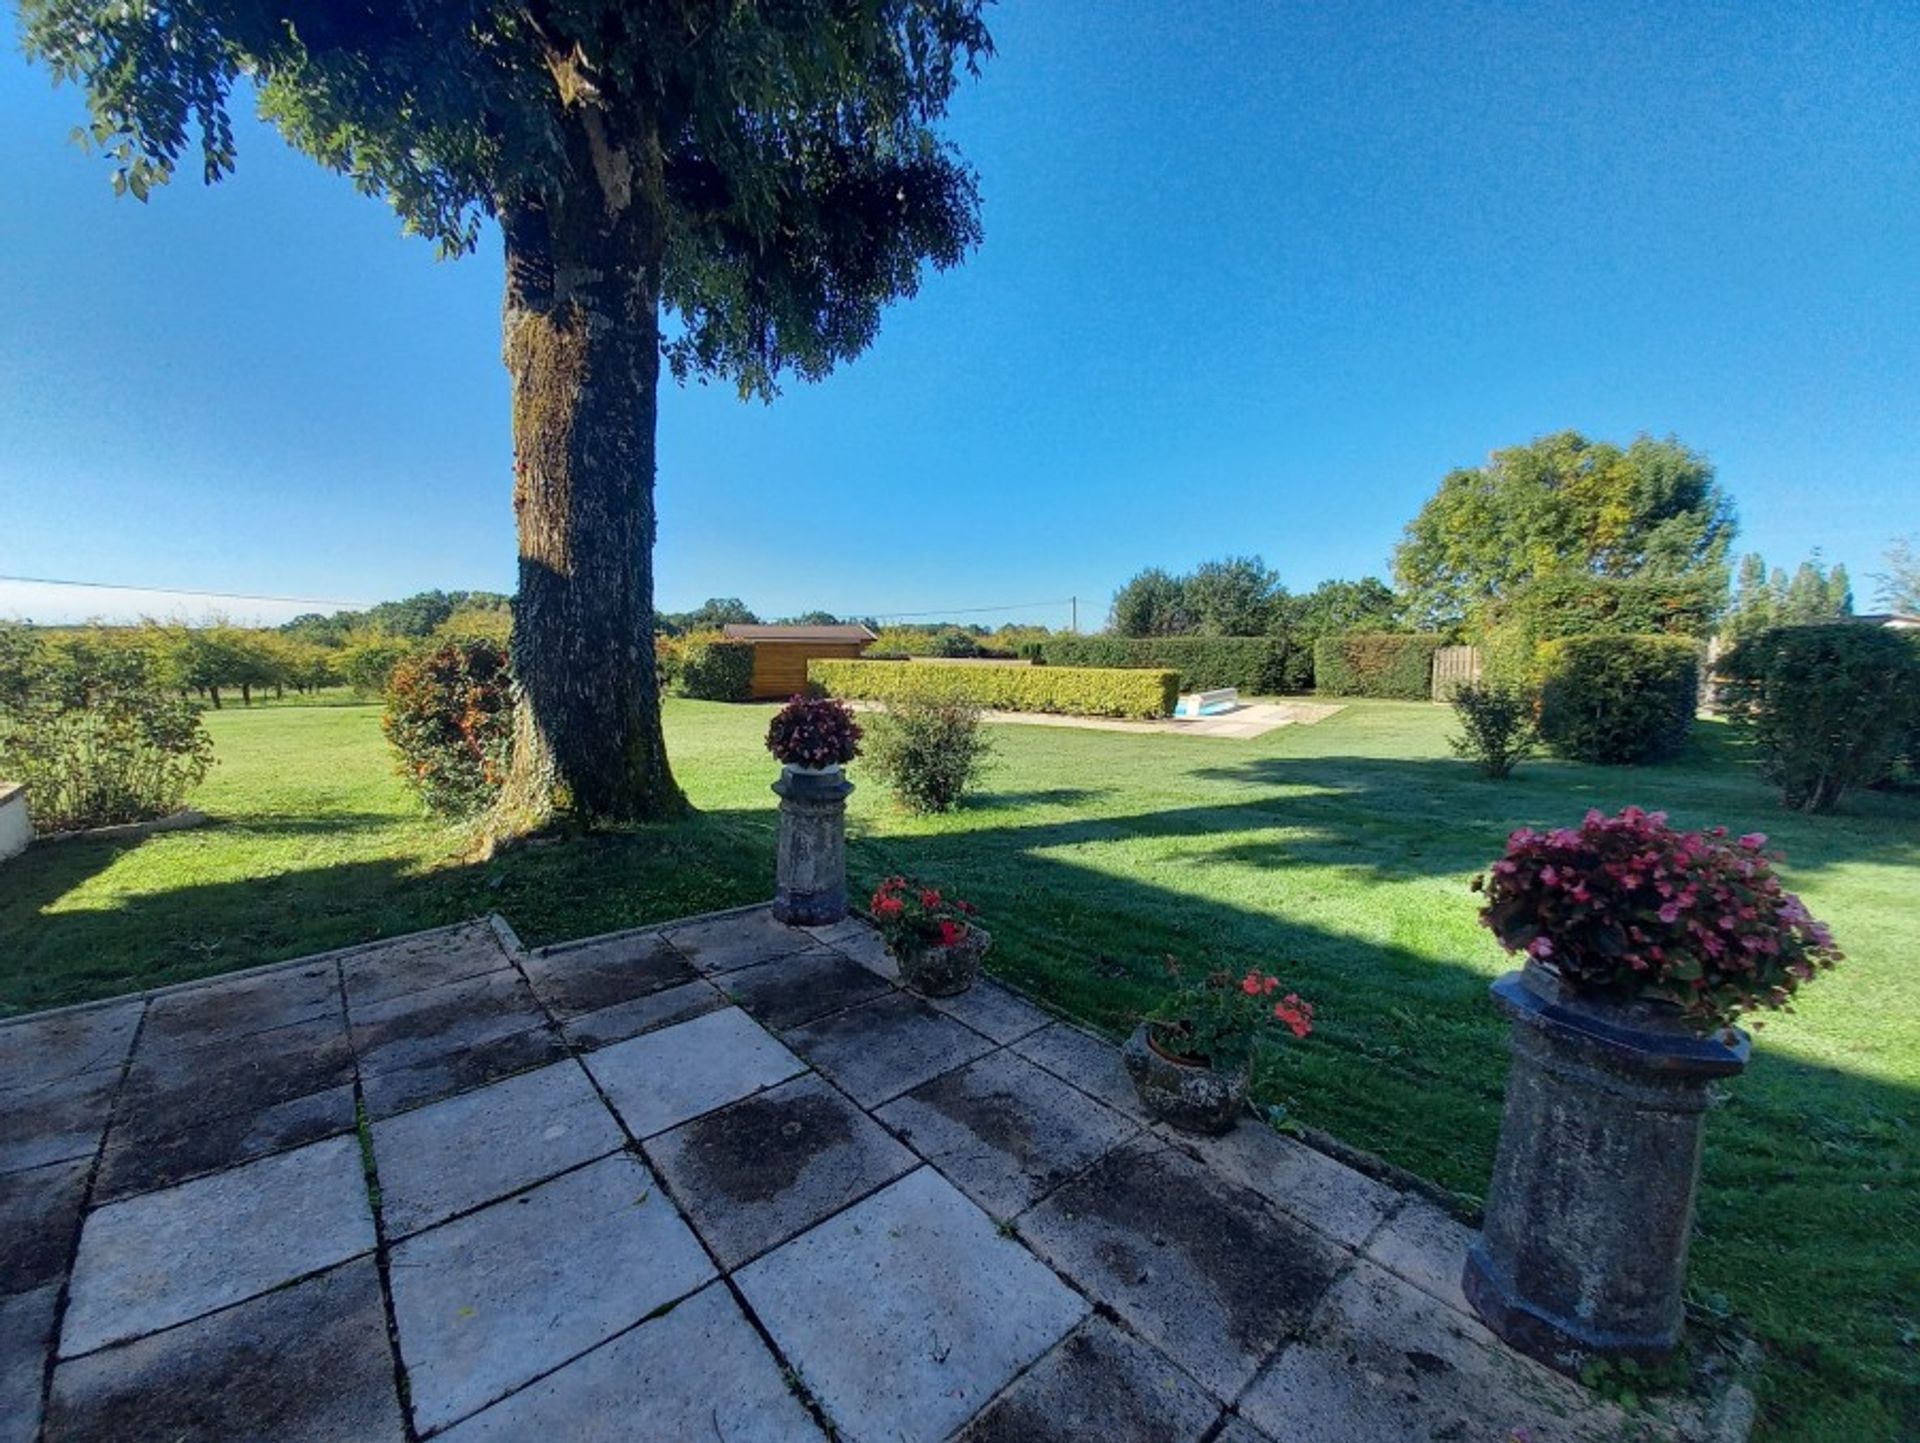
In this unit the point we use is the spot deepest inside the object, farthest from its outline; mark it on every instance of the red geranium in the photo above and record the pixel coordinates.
(906, 911)
(1221, 1017)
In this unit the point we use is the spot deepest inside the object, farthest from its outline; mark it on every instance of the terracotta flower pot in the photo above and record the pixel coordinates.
(1191, 1096)
(937, 971)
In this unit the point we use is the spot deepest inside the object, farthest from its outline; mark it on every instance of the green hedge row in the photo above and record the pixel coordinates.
(717, 670)
(1071, 690)
(1205, 663)
(1396, 665)
(1618, 699)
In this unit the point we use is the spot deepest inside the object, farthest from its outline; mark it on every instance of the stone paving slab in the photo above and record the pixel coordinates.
(991, 1010)
(460, 1069)
(790, 991)
(137, 1161)
(1100, 1383)
(1206, 1270)
(488, 1302)
(596, 975)
(882, 1048)
(40, 1050)
(450, 1157)
(639, 1386)
(55, 1120)
(753, 1174)
(1005, 1131)
(1088, 1062)
(661, 1079)
(909, 1311)
(39, 1216)
(306, 1364)
(1426, 1247)
(166, 1257)
(26, 1337)
(221, 1012)
(727, 943)
(171, 1089)
(428, 959)
(643, 1014)
(1325, 1194)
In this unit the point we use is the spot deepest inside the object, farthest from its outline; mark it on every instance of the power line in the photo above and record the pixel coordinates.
(962, 610)
(182, 591)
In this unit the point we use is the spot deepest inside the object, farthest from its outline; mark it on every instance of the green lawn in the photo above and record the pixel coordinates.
(1337, 855)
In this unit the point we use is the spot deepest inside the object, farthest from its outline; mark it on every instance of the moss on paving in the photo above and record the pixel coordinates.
(1336, 854)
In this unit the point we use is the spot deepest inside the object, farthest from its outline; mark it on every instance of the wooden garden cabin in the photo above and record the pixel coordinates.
(781, 653)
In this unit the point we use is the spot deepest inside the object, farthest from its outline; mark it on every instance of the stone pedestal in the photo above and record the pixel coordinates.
(1583, 1253)
(811, 872)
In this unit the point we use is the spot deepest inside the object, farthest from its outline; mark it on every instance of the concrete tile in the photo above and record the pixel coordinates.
(639, 1388)
(306, 1364)
(136, 1163)
(882, 1048)
(594, 975)
(170, 1090)
(1385, 1360)
(413, 964)
(1344, 1204)
(1005, 1131)
(39, 1217)
(1426, 1247)
(869, 949)
(490, 1301)
(35, 1051)
(1099, 1383)
(754, 1174)
(990, 1009)
(56, 1120)
(849, 928)
(165, 1257)
(661, 1079)
(1239, 1430)
(431, 1077)
(1208, 1272)
(452, 1156)
(427, 1024)
(785, 993)
(1090, 1063)
(26, 1338)
(643, 1014)
(222, 1011)
(726, 944)
(953, 1311)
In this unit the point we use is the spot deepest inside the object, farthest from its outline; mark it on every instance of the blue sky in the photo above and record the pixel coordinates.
(1256, 276)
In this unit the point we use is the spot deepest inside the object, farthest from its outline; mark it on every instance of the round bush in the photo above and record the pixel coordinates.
(929, 751)
(1618, 700)
(450, 717)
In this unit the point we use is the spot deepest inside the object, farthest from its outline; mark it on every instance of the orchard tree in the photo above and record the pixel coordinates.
(767, 174)
(1562, 503)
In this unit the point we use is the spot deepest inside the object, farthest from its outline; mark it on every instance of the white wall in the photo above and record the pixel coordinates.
(15, 829)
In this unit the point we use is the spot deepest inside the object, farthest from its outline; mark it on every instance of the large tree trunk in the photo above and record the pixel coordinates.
(582, 344)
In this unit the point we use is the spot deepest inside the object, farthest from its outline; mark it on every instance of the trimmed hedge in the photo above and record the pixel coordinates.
(1205, 663)
(717, 670)
(1071, 690)
(1394, 665)
(1618, 700)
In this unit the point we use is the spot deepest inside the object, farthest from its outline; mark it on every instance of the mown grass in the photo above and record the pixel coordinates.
(1337, 854)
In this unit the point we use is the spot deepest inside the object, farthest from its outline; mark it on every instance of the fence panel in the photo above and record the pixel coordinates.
(1453, 668)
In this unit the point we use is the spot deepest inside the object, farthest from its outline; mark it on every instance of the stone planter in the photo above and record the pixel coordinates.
(1583, 1253)
(810, 879)
(1187, 1095)
(937, 971)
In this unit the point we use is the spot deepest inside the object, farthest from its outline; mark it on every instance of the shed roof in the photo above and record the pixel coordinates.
(842, 634)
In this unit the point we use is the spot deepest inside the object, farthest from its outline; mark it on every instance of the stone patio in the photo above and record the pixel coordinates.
(720, 1180)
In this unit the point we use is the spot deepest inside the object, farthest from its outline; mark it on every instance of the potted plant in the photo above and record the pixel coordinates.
(1643, 944)
(935, 938)
(813, 737)
(1191, 1056)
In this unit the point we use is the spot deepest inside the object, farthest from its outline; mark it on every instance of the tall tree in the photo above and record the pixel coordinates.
(1333, 607)
(1752, 599)
(1898, 587)
(1235, 596)
(1151, 603)
(768, 173)
(1562, 503)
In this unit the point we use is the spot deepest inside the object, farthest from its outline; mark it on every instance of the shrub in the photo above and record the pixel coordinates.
(1394, 665)
(1205, 663)
(814, 732)
(1577, 604)
(98, 733)
(1075, 691)
(449, 715)
(367, 662)
(1497, 727)
(930, 751)
(717, 670)
(1627, 907)
(1829, 706)
(1618, 700)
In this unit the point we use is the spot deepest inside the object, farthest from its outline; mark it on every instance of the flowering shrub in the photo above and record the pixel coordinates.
(449, 715)
(814, 732)
(910, 913)
(1630, 907)
(1219, 1018)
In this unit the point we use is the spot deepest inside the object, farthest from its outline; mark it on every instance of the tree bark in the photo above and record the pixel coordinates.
(581, 334)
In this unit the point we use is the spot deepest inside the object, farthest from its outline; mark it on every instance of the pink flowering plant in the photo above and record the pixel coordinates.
(814, 731)
(1218, 1019)
(910, 913)
(1631, 908)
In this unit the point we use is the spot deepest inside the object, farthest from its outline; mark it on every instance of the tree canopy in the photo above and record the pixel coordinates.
(1562, 503)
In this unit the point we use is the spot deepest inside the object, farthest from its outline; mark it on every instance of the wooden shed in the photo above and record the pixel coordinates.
(781, 653)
